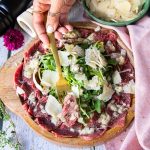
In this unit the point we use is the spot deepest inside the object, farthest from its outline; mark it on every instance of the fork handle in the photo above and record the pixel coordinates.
(55, 53)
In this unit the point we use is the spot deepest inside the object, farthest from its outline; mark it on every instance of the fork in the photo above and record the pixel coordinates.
(62, 86)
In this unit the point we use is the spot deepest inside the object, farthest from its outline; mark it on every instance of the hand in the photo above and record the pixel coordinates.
(54, 12)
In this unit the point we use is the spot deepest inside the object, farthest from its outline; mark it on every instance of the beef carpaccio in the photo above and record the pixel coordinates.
(101, 77)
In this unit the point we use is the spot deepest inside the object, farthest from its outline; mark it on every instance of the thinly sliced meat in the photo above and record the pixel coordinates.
(68, 125)
(105, 36)
(45, 122)
(27, 90)
(29, 81)
(111, 36)
(18, 75)
(36, 47)
(25, 106)
(122, 98)
(127, 75)
(99, 36)
(120, 121)
(93, 123)
(70, 110)
(28, 108)
(63, 130)
(85, 32)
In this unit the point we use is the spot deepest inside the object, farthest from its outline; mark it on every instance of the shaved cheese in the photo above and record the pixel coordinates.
(34, 63)
(74, 50)
(30, 67)
(104, 118)
(116, 77)
(94, 58)
(49, 78)
(54, 120)
(113, 107)
(91, 36)
(77, 50)
(118, 89)
(97, 29)
(80, 120)
(107, 93)
(75, 90)
(123, 7)
(110, 45)
(19, 90)
(117, 10)
(53, 107)
(31, 98)
(123, 52)
(80, 77)
(86, 130)
(69, 47)
(129, 88)
(63, 56)
(92, 84)
(121, 60)
(75, 68)
(72, 130)
(73, 60)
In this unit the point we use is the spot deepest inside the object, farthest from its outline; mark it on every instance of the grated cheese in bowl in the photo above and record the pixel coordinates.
(115, 10)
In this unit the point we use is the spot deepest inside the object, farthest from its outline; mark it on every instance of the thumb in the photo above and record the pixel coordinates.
(53, 15)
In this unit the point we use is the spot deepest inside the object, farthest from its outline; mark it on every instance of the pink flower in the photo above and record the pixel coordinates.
(13, 39)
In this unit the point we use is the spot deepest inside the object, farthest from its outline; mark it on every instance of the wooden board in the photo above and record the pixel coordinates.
(12, 101)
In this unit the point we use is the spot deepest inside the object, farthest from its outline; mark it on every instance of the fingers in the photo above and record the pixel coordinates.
(62, 30)
(58, 35)
(45, 1)
(69, 27)
(38, 19)
(52, 18)
(54, 14)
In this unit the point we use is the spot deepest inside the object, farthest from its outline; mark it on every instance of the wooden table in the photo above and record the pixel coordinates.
(29, 139)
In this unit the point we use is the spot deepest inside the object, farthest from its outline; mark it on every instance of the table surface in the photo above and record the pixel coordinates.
(28, 138)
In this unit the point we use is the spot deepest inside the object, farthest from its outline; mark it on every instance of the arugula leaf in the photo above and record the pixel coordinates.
(112, 62)
(70, 77)
(84, 45)
(98, 106)
(53, 92)
(88, 103)
(108, 72)
(100, 46)
(47, 62)
(86, 69)
(98, 73)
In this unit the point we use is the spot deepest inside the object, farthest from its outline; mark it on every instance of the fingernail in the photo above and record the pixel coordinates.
(45, 46)
(50, 29)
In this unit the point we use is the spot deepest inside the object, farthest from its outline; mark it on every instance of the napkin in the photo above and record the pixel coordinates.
(138, 136)
(25, 20)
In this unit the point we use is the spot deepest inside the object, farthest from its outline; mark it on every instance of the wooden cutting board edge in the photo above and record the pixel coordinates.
(12, 101)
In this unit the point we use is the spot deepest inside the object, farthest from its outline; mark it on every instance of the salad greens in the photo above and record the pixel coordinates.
(7, 141)
(71, 78)
(47, 62)
(100, 46)
(88, 98)
(53, 92)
